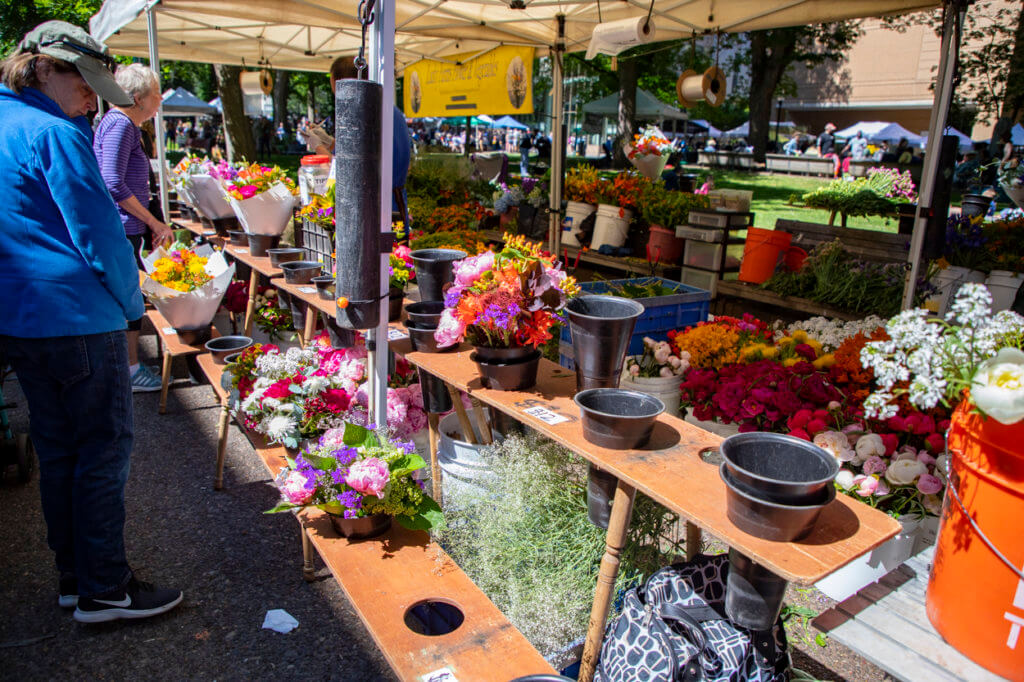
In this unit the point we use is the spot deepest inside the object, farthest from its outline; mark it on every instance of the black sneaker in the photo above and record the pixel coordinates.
(68, 598)
(136, 600)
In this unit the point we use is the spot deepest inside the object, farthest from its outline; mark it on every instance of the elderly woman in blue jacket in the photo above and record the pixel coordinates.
(70, 281)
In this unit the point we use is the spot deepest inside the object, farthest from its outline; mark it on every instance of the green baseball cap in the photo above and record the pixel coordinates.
(74, 45)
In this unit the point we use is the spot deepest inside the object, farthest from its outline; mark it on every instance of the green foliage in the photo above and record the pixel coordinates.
(18, 17)
(861, 197)
(444, 179)
(669, 208)
(525, 540)
(465, 240)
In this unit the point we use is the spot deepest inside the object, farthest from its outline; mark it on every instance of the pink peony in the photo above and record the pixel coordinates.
(415, 396)
(928, 484)
(449, 329)
(468, 270)
(369, 476)
(925, 458)
(874, 465)
(294, 490)
(866, 485)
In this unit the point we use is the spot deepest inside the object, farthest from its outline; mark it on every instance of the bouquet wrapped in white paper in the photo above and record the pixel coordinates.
(207, 195)
(267, 212)
(649, 152)
(185, 303)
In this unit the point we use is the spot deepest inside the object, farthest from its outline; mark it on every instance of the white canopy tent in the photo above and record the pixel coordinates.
(965, 142)
(744, 130)
(893, 133)
(711, 130)
(868, 128)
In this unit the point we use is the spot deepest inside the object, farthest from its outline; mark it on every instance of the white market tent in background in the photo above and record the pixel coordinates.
(965, 142)
(893, 133)
(868, 128)
(710, 129)
(744, 130)
(647, 107)
(181, 102)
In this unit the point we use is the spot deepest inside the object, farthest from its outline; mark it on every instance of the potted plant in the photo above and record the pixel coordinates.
(505, 303)
(664, 210)
(362, 479)
(616, 202)
(658, 372)
(263, 199)
(580, 190)
(649, 152)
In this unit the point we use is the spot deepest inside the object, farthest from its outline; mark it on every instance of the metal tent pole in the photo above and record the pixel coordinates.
(952, 21)
(161, 153)
(557, 141)
(382, 69)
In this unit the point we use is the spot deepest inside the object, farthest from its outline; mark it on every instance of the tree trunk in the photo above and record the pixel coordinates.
(281, 90)
(236, 125)
(770, 55)
(627, 108)
(1013, 97)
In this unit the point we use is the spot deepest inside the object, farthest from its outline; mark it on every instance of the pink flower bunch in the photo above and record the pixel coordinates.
(405, 410)
(296, 488)
(368, 476)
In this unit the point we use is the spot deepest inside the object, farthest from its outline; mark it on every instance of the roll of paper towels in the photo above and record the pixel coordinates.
(616, 36)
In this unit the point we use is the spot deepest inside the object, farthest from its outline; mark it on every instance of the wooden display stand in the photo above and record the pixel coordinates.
(170, 347)
(259, 266)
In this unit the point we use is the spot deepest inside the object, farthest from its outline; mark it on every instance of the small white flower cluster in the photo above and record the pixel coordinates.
(276, 366)
(830, 333)
(939, 358)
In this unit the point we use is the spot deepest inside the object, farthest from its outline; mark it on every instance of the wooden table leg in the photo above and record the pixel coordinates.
(693, 540)
(481, 421)
(309, 327)
(165, 380)
(460, 410)
(615, 540)
(250, 307)
(435, 465)
(222, 445)
(308, 572)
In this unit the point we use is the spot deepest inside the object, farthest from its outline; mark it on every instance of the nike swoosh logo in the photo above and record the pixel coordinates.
(124, 603)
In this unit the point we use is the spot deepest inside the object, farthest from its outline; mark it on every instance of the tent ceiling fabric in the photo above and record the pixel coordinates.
(309, 34)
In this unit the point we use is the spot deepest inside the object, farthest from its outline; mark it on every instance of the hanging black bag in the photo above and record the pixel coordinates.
(672, 629)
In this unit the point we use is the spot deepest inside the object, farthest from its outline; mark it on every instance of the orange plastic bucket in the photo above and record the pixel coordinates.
(975, 599)
(763, 252)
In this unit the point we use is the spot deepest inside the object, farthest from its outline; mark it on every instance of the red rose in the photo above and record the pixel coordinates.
(336, 399)
(935, 442)
(278, 389)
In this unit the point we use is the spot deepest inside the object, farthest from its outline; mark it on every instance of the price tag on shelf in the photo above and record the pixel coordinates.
(396, 334)
(440, 675)
(545, 415)
(307, 290)
(169, 331)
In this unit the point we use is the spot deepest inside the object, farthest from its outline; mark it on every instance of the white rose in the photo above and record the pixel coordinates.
(844, 479)
(835, 443)
(870, 444)
(941, 462)
(666, 372)
(904, 471)
(998, 386)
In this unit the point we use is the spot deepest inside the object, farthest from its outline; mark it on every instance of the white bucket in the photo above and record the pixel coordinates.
(665, 389)
(575, 213)
(462, 463)
(948, 282)
(1003, 286)
(610, 228)
(266, 213)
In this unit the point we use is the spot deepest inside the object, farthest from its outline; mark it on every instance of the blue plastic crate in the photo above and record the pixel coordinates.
(687, 306)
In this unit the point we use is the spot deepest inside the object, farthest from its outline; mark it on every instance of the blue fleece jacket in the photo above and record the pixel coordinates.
(66, 267)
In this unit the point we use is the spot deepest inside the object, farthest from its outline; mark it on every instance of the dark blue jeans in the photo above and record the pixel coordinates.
(80, 403)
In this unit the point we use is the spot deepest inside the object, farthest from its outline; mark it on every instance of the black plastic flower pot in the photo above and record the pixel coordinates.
(600, 492)
(396, 297)
(223, 346)
(259, 243)
(361, 528)
(972, 205)
(508, 376)
(601, 327)
(436, 398)
(425, 312)
(779, 468)
(340, 337)
(434, 270)
(238, 237)
(422, 338)
(324, 284)
(300, 271)
(753, 594)
(504, 355)
(285, 254)
(771, 520)
(616, 418)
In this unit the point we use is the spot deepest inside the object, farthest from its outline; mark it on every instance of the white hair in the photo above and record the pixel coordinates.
(137, 80)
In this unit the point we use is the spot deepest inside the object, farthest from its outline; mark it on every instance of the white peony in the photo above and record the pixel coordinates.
(869, 445)
(998, 386)
(904, 471)
(844, 479)
(836, 444)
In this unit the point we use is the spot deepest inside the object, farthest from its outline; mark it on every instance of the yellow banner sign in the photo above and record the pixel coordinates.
(497, 82)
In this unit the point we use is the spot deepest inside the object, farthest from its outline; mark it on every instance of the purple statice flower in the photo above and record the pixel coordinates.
(501, 318)
(345, 456)
(338, 476)
(452, 296)
(310, 483)
(529, 184)
(408, 447)
(422, 485)
(350, 499)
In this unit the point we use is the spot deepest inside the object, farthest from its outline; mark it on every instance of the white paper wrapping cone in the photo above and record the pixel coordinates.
(265, 213)
(208, 197)
(193, 309)
(649, 165)
(614, 37)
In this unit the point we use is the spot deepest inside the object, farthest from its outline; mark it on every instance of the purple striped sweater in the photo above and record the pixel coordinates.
(125, 167)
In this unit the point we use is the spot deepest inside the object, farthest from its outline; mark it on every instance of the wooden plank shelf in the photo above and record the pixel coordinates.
(886, 623)
(171, 346)
(384, 577)
(753, 292)
(671, 471)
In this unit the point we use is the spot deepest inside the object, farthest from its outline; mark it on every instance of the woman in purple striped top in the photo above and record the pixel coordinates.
(125, 169)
